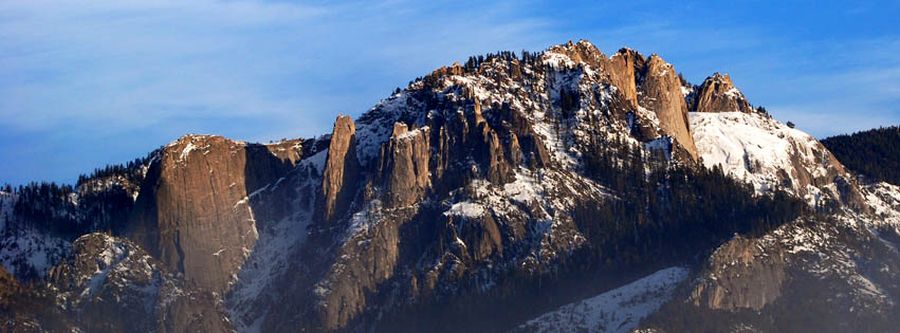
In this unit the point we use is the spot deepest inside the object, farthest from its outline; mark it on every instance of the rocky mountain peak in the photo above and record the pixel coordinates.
(624, 66)
(660, 91)
(718, 94)
(581, 52)
(199, 186)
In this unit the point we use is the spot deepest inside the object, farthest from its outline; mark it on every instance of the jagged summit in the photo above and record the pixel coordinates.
(650, 86)
(582, 52)
(718, 94)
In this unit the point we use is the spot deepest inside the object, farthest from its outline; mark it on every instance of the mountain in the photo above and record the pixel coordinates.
(552, 191)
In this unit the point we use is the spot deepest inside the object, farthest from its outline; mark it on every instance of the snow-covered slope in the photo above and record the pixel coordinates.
(26, 252)
(768, 154)
(618, 310)
(256, 283)
(884, 198)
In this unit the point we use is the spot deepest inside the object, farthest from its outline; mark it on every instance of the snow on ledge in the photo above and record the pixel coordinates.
(465, 209)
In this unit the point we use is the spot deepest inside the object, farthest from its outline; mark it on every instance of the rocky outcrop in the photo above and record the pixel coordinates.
(660, 92)
(499, 164)
(341, 169)
(740, 275)
(193, 211)
(718, 94)
(478, 237)
(194, 311)
(112, 285)
(406, 165)
(623, 69)
(581, 52)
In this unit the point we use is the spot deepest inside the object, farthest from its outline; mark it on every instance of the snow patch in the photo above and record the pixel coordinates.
(269, 258)
(28, 252)
(618, 310)
(734, 93)
(187, 151)
(662, 144)
(413, 133)
(557, 60)
(523, 189)
(465, 209)
(884, 199)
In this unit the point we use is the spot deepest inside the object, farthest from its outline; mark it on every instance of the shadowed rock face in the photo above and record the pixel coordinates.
(718, 94)
(741, 276)
(8, 287)
(193, 211)
(660, 91)
(115, 286)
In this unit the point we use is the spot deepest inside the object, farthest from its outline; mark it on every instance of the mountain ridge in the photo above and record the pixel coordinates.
(482, 187)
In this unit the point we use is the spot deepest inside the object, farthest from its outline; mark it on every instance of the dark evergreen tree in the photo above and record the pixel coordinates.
(874, 154)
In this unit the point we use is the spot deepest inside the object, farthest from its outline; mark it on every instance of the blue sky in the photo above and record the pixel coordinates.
(84, 84)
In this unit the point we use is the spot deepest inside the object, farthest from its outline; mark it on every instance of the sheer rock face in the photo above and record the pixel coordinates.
(718, 94)
(624, 66)
(193, 212)
(406, 163)
(341, 169)
(740, 275)
(660, 91)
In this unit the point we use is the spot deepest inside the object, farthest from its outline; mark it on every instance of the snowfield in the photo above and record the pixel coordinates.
(617, 310)
(762, 151)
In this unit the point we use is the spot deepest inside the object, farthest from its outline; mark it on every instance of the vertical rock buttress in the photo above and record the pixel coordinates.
(341, 169)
